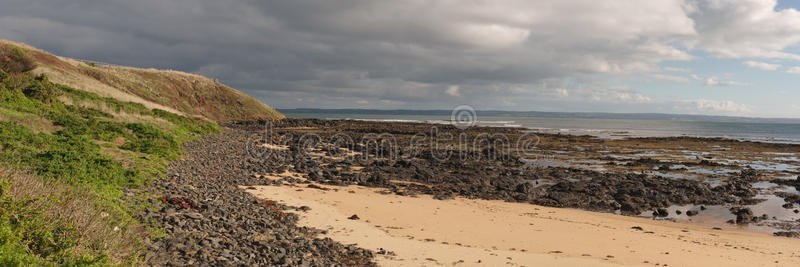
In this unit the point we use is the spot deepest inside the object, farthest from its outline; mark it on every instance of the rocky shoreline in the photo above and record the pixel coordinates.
(484, 178)
(209, 219)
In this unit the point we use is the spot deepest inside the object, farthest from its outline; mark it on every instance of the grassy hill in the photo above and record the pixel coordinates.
(76, 142)
(178, 92)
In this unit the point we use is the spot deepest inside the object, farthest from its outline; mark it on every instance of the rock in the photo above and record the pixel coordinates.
(210, 221)
(787, 234)
(353, 217)
(524, 188)
(744, 215)
(443, 195)
(661, 212)
(194, 215)
(206, 182)
(318, 187)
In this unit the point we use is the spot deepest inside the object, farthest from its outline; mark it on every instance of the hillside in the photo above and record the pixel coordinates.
(178, 92)
(80, 145)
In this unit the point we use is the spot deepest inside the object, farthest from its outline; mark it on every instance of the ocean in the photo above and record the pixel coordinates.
(604, 125)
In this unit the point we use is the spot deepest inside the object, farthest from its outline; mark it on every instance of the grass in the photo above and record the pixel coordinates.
(61, 184)
(45, 224)
(174, 91)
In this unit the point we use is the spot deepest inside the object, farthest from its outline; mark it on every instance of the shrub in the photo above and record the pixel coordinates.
(41, 89)
(152, 140)
(14, 60)
(82, 159)
(38, 219)
(16, 82)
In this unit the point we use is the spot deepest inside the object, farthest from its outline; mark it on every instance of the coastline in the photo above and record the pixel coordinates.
(422, 231)
(400, 133)
(297, 163)
(601, 125)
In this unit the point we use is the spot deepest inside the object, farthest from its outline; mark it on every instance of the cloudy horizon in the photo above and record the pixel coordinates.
(736, 58)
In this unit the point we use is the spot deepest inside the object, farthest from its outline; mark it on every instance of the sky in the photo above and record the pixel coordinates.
(714, 57)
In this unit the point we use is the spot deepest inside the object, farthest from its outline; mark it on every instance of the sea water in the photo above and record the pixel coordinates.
(602, 125)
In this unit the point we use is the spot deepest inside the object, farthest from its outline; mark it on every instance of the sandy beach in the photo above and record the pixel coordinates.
(424, 231)
(224, 207)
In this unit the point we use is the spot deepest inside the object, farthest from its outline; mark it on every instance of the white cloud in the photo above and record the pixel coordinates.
(762, 65)
(392, 102)
(307, 100)
(619, 94)
(743, 28)
(671, 78)
(714, 81)
(453, 90)
(673, 69)
(503, 36)
(706, 106)
(794, 70)
(571, 90)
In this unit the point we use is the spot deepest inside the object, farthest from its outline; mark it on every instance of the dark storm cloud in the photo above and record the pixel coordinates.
(381, 53)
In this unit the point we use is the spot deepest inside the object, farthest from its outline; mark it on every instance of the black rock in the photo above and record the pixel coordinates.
(744, 215)
(229, 226)
(661, 212)
(787, 234)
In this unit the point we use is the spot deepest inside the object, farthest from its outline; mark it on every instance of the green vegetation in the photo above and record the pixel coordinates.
(56, 180)
(31, 234)
(188, 94)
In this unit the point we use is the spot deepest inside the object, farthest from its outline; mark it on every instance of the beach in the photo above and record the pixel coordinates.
(319, 192)
(422, 231)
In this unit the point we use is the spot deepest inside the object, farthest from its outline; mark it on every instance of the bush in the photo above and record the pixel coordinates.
(152, 140)
(14, 60)
(37, 224)
(42, 89)
(84, 157)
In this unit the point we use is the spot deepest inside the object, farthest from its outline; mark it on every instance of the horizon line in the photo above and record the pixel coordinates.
(557, 112)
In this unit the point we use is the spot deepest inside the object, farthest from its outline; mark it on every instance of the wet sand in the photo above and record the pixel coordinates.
(424, 231)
